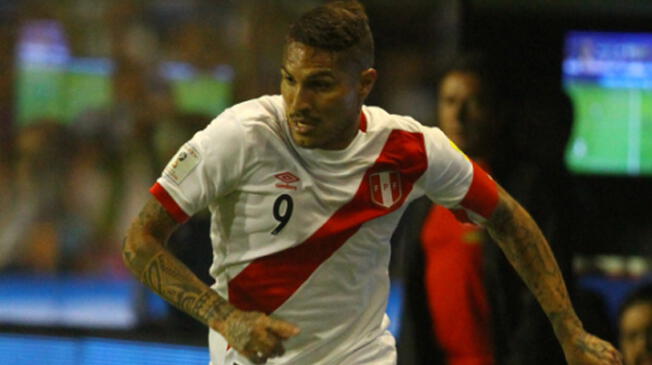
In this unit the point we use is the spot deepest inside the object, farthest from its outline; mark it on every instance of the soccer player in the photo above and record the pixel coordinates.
(305, 189)
(635, 327)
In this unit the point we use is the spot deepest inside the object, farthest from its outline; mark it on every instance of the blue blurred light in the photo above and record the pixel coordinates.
(29, 350)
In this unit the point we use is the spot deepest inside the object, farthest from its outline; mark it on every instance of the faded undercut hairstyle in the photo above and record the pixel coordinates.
(338, 26)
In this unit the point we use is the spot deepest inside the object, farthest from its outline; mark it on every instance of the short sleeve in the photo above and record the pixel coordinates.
(205, 168)
(455, 181)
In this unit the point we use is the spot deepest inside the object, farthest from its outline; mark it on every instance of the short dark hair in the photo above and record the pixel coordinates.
(338, 26)
(640, 295)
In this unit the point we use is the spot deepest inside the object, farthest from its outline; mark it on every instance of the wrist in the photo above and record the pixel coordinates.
(219, 322)
(566, 324)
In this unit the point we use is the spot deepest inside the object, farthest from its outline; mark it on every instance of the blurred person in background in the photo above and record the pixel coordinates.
(635, 326)
(317, 151)
(447, 265)
(454, 277)
(475, 300)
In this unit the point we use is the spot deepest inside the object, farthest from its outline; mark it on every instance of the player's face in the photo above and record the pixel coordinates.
(462, 117)
(323, 94)
(636, 334)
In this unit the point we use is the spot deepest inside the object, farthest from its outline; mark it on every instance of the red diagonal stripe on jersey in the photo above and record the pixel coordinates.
(269, 281)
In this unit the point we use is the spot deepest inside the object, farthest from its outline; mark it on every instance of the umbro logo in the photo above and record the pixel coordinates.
(287, 179)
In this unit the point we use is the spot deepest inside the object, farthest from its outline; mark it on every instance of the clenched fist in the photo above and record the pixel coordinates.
(256, 335)
(586, 349)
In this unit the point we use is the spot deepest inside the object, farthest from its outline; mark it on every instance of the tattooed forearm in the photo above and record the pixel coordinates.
(527, 250)
(145, 255)
(166, 275)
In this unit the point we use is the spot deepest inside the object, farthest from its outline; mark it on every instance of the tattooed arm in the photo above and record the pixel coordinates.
(527, 250)
(253, 334)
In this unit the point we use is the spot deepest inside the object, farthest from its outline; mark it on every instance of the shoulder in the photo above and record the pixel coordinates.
(267, 108)
(381, 120)
(243, 120)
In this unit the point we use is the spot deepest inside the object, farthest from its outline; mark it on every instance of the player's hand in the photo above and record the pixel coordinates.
(257, 336)
(586, 349)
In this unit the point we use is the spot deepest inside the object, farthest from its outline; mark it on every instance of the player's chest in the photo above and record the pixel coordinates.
(289, 181)
(286, 193)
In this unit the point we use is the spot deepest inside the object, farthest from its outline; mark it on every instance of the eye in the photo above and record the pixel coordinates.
(447, 100)
(321, 85)
(289, 79)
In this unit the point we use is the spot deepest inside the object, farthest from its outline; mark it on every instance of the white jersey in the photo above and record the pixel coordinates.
(303, 234)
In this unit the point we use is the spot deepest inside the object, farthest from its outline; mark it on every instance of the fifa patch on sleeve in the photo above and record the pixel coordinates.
(182, 164)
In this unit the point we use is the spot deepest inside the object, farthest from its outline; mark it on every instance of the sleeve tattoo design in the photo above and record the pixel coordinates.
(157, 268)
(527, 250)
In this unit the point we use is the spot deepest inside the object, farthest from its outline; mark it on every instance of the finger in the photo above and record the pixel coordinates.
(611, 357)
(278, 349)
(257, 357)
(264, 345)
(615, 355)
(282, 329)
(268, 342)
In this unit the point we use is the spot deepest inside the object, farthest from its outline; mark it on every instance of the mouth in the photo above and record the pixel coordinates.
(303, 126)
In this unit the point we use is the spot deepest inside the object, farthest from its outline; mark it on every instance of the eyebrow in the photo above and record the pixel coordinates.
(321, 73)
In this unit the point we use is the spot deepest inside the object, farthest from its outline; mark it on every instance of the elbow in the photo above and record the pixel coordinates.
(146, 236)
(127, 241)
(126, 249)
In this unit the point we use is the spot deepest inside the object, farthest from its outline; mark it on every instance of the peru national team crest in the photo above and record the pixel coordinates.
(385, 188)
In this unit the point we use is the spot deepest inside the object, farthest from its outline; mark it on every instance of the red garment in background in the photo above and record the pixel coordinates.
(457, 298)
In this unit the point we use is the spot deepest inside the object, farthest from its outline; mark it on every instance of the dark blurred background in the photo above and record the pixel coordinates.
(96, 96)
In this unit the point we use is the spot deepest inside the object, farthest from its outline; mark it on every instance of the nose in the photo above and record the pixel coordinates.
(301, 100)
(462, 113)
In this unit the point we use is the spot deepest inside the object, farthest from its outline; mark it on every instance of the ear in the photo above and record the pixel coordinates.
(367, 80)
